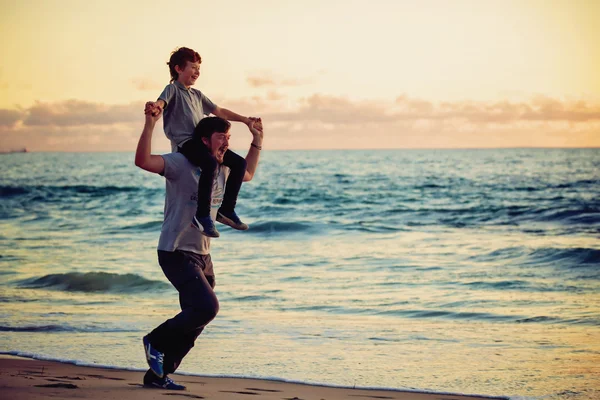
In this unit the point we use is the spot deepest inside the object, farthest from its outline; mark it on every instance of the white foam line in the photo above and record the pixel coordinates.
(37, 356)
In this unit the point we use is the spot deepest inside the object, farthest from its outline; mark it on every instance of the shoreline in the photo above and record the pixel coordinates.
(32, 379)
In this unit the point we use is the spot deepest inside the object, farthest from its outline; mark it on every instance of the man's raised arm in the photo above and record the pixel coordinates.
(255, 147)
(143, 155)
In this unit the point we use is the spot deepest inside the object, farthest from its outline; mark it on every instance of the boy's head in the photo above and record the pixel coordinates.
(184, 63)
(214, 133)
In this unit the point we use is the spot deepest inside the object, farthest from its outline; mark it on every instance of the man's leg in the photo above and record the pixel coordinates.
(181, 348)
(197, 153)
(197, 298)
(227, 215)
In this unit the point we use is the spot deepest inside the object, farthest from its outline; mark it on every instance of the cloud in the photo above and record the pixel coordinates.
(116, 137)
(320, 121)
(9, 118)
(344, 111)
(146, 84)
(72, 125)
(539, 108)
(271, 79)
(78, 113)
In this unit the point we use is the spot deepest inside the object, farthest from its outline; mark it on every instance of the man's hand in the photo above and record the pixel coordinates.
(153, 108)
(253, 155)
(256, 128)
(152, 117)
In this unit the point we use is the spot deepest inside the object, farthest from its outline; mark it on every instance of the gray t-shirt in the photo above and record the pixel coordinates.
(184, 108)
(181, 201)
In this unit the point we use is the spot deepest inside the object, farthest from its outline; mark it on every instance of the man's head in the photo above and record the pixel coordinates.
(214, 133)
(184, 66)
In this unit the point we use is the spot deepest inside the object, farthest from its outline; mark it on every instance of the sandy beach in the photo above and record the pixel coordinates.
(27, 379)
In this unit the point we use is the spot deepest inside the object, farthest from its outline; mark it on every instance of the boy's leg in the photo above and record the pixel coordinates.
(227, 215)
(198, 154)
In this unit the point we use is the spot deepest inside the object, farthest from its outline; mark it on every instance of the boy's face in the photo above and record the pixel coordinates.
(188, 74)
(218, 144)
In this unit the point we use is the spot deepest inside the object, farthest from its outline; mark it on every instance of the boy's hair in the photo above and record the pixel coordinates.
(180, 57)
(209, 125)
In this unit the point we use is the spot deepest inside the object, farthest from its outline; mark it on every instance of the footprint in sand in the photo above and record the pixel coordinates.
(59, 385)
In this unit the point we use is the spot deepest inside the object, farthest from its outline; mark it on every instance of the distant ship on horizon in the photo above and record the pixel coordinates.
(22, 150)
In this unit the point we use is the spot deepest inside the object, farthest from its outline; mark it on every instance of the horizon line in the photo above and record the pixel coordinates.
(330, 149)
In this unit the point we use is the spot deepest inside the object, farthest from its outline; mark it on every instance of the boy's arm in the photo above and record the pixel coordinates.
(254, 152)
(143, 155)
(157, 107)
(160, 103)
(231, 116)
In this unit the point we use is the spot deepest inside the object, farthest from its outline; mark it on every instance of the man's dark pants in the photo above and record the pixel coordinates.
(193, 277)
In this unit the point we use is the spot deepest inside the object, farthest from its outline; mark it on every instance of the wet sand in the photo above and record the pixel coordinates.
(27, 379)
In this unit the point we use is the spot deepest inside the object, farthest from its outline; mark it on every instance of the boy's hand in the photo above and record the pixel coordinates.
(249, 120)
(153, 108)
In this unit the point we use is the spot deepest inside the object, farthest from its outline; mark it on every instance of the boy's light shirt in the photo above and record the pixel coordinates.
(184, 108)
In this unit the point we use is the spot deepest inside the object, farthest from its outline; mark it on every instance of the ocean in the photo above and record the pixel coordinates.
(451, 271)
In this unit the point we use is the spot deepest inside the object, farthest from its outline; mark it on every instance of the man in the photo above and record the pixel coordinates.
(183, 252)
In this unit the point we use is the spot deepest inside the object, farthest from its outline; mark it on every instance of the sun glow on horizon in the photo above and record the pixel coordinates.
(427, 74)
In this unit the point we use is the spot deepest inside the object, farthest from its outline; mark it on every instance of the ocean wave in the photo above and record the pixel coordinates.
(60, 328)
(584, 214)
(250, 298)
(58, 191)
(577, 257)
(375, 227)
(470, 213)
(94, 282)
(546, 186)
(490, 317)
(11, 191)
(445, 314)
(274, 227)
(563, 214)
(580, 184)
(524, 286)
(143, 227)
(453, 315)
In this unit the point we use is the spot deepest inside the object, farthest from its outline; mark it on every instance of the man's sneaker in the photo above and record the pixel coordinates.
(154, 358)
(231, 219)
(151, 380)
(206, 226)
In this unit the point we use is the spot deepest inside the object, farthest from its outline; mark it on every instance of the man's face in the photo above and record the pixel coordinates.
(218, 145)
(189, 74)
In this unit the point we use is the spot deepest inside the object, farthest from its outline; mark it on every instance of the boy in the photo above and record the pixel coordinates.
(183, 108)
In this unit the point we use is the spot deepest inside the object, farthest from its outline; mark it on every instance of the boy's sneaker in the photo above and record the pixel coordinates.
(154, 358)
(206, 226)
(231, 219)
(151, 380)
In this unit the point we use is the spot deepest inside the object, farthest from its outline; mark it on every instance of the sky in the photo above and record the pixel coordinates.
(322, 74)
